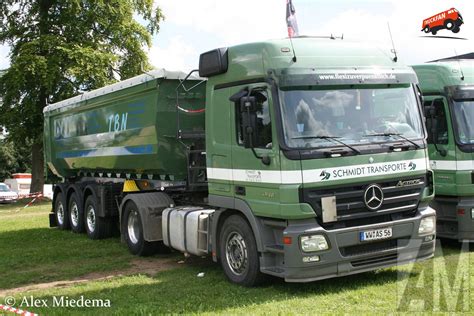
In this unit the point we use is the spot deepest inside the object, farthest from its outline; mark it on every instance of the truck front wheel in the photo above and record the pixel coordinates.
(132, 229)
(238, 252)
(96, 227)
(60, 210)
(449, 24)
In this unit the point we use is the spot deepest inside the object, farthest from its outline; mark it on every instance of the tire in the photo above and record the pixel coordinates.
(96, 227)
(61, 213)
(449, 24)
(426, 29)
(456, 29)
(76, 214)
(132, 230)
(238, 252)
(434, 32)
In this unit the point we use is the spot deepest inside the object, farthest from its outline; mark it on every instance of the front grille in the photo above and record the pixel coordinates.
(350, 200)
(373, 247)
(375, 260)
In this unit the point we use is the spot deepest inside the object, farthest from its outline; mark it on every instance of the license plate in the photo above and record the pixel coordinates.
(376, 234)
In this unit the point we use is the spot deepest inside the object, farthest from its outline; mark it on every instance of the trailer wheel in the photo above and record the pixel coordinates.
(238, 252)
(96, 227)
(60, 211)
(132, 229)
(76, 214)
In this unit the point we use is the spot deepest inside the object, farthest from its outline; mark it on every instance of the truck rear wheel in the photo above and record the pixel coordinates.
(96, 227)
(76, 214)
(60, 211)
(132, 229)
(426, 29)
(238, 252)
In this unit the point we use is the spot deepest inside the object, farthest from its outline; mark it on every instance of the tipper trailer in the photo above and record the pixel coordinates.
(448, 90)
(304, 162)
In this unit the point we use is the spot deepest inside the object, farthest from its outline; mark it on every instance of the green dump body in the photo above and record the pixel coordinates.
(128, 128)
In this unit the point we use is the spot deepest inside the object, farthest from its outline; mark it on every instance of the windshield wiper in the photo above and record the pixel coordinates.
(328, 138)
(395, 134)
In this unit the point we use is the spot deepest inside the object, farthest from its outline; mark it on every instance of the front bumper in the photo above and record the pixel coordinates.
(348, 255)
(454, 217)
(8, 200)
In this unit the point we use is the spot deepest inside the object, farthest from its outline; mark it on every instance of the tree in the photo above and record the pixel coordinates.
(60, 48)
(13, 159)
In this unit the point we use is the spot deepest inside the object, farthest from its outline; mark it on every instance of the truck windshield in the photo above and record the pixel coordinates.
(4, 188)
(464, 117)
(353, 116)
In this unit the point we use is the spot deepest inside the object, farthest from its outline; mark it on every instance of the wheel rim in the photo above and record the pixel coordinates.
(91, 218)
(133, 227)
(74, 214)
(449, 25)
(236, 253)
(60, 213)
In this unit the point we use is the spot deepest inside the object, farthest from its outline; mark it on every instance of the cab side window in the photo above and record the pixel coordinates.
(441, 134)
(264, 122)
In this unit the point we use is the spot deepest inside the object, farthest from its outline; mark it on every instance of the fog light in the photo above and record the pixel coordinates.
(472, 213)
(313, 243)
(311, 259)
(429, 238)
(427, 225)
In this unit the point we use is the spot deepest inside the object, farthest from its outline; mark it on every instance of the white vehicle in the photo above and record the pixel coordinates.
(7, 195)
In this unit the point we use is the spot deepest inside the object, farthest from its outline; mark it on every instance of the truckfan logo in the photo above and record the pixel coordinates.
(412, 166)
(373, 197)
(450, 20)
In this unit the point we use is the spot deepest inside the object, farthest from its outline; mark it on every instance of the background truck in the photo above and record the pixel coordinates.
(303, 165)
(450, 19)
(448, 90)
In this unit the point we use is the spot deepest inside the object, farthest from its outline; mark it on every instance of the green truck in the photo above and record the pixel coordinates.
(448, 91)
(303, 160)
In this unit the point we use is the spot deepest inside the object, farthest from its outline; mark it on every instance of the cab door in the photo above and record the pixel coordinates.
(441, 143)
(256, 173)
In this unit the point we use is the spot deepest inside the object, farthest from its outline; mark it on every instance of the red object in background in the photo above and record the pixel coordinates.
(21, 176)
(450, 19)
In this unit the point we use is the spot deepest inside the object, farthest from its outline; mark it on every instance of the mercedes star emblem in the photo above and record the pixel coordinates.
(373, 197)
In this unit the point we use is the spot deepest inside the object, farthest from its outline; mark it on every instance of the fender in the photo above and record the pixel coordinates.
(229, 204)
(150, 207)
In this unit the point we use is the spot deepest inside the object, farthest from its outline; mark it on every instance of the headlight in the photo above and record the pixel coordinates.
(427, 225)
(313, 243)
(472, 213)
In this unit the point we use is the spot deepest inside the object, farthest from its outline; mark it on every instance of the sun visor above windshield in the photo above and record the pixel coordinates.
(311, 77)
(460, 92)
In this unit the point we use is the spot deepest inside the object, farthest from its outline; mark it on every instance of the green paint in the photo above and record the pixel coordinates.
(437, 81)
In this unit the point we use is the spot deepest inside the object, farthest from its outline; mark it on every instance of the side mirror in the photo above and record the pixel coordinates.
(248, 110)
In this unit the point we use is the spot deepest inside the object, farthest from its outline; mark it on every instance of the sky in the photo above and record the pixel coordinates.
(192, 27)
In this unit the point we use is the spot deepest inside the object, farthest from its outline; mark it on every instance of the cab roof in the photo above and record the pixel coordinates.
(435, 76)
(328, 55)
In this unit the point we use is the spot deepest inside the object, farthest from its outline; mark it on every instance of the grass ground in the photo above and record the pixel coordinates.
(32, 253)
